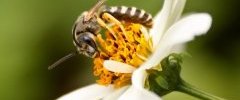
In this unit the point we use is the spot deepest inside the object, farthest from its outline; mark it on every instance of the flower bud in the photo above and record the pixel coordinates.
(167, 80)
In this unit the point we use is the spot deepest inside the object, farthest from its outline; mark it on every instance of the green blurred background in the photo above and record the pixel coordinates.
(35, 33)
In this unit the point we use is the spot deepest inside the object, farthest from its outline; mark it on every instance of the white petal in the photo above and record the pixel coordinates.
(91, 92)
(178, 48)
(182, 31)
(118, 67)
(176, 11)
(160, 22)
(187, 28)
(116, 94)
(138, 94)
(139, 77)
(171, 12)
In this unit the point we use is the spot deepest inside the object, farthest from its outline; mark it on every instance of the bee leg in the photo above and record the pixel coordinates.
(101, 42)
(104, 25)
(108, 17)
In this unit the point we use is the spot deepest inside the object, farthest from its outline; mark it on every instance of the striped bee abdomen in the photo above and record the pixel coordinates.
(130, 14)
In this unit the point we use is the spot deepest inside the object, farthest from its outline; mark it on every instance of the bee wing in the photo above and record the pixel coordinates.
(94, 9)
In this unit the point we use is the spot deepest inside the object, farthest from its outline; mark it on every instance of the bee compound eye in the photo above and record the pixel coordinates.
(89, 41)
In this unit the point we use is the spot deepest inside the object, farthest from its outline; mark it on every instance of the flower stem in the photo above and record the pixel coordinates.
(184, 87)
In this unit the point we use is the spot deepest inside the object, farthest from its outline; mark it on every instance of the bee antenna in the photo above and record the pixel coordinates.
(94, 9)
(70, 55)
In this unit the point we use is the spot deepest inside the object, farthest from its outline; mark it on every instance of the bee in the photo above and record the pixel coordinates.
(89, 23)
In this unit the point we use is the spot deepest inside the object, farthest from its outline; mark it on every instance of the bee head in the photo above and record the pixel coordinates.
(84, 35)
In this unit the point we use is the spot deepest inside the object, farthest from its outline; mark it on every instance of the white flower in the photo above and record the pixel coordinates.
(169, 32)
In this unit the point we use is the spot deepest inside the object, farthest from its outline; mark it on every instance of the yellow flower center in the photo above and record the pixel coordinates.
(131, 48)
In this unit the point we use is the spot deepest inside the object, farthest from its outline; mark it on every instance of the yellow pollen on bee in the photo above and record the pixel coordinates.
(131, 48)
